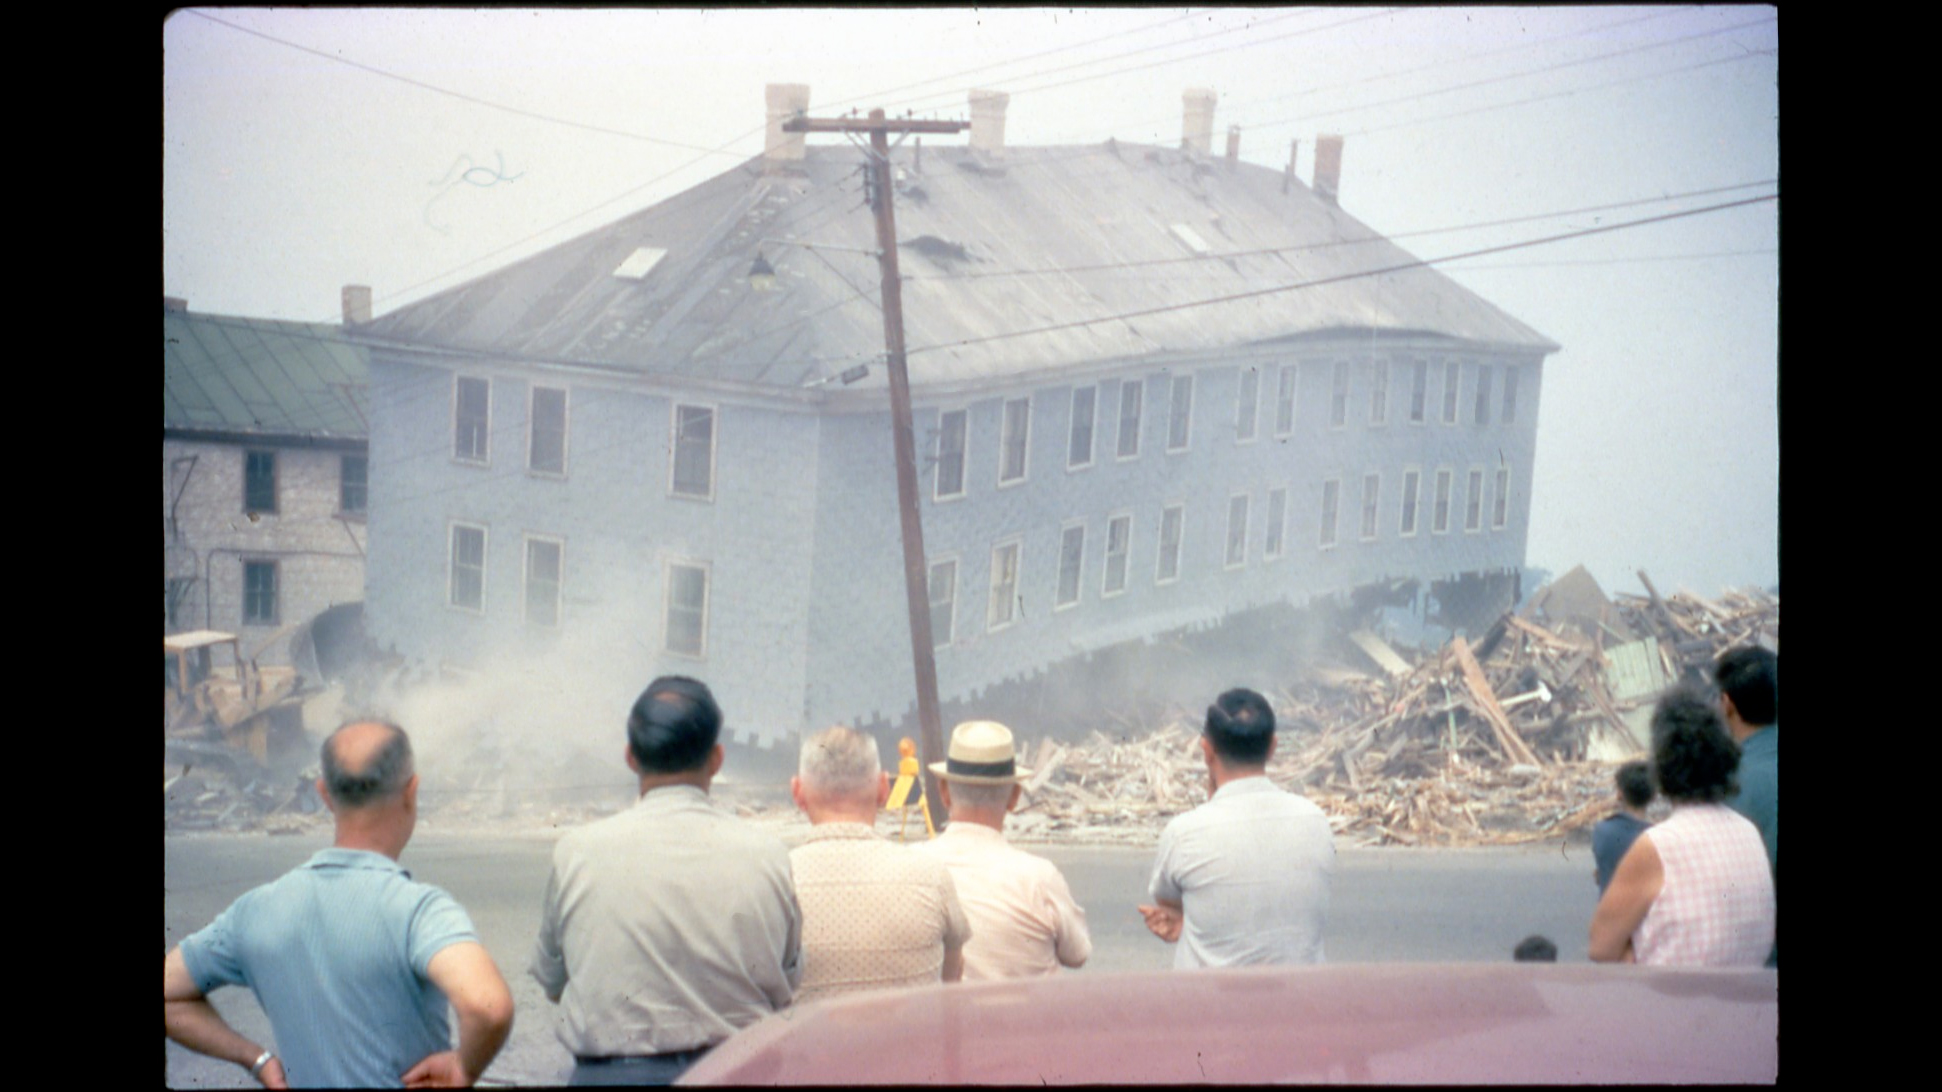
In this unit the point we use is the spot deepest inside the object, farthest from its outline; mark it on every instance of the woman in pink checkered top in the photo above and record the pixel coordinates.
(1694, 890)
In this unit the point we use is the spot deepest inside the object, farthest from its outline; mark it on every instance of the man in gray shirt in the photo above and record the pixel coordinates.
(1244, 878)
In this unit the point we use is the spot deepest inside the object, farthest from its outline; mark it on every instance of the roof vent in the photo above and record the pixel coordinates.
(640, 263)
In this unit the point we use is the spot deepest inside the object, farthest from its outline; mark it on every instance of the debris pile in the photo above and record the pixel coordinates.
(207, 786)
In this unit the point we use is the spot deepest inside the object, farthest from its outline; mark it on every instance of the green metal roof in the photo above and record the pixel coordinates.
(262, 377)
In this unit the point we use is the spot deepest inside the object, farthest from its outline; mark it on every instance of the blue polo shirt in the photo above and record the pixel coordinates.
(336, 952)
(1759, 799)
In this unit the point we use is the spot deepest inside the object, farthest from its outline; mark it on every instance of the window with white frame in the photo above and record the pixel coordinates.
(1277, 523)
(1284, 400)
(546, 442)
(1003, 610)
(687, 608)
(1452, 383)
(1331, 509)
(1510, 393)
(543, 557)
(1131, 394)
(693, 469)
(1078, 449)
(1014, 440)
(1500, 501)
(944, 600)
(259, 593)
(1180, 413)
(1371, 499)
(471, 418)
(1236, 531)
(1441, 522)
(1412, 485)
(1072, 560)
(465, 578)
(950, 454)
(1483, 394)
(1419, 390)
(1379, 392)
(1338, 403)
(1172, 523)
(1473, 503)
(1247, 407)
(1119, 540)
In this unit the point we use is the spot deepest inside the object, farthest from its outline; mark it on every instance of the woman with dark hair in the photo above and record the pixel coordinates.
(1695, 889)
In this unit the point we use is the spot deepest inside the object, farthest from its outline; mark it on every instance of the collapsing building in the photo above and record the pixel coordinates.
(664, 446)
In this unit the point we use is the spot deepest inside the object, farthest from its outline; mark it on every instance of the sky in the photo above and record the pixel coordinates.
(414, 149)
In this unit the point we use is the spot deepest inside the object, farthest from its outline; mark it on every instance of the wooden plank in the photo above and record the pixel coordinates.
(1507, 738)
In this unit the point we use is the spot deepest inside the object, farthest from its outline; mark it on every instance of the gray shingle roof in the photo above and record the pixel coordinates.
(262, 377)
(964, 223)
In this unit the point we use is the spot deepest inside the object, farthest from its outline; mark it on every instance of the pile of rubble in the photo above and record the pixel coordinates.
(1510, 740)
(209, 786)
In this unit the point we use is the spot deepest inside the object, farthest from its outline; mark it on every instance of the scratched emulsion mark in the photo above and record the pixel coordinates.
(473, 174)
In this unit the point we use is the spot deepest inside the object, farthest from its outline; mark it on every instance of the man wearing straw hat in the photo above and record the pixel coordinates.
(1024, 921)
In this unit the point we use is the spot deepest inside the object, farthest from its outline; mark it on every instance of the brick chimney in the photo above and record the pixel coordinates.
(1328, 167)
(357, 304)
(1197, 131)
(786, 100)
(988, 122)
(1233, 146)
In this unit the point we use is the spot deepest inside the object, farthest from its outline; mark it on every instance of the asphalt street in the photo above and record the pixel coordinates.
(1389, 905)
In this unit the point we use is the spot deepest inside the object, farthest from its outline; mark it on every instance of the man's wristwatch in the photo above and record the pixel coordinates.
(263, 1059)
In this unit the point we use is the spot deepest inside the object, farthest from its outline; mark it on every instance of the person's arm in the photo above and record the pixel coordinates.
(189, 1019)
(1164, 919)
(1168, 910)
(548, 966)
(1074, 943)
(957, 929)
(465, 973)
(1635, 883)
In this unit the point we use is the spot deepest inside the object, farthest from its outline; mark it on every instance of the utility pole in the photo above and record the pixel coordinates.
(930, 741)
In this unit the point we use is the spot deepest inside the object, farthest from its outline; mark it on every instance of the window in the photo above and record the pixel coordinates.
(694, 452)
(1237, 530)
(259, 593)
(1131, 393)
(950, 454)
(1510, 393)
(1500, 504)
(1419, 390)
(175, 596)
(543, 581)
(1483, 394)
(1078, 452)
(687, 631)
(1003, 610)
(1442, 521)
(1338, 406)
(1452, 377)
(353, 483)
(1172, 521)
(259, 481)
(1284, 402)
(1014, 440)
(1331, 508)
(471, 418)
(465, 584)
(546, 447)
(1412, 484)
(1119, 539)
(1371, 499)
(1247, 411)
(1277, 522)
(1379, 392)
(1180, 413)
(1072, 559)
(1473, 504)
(944, 600)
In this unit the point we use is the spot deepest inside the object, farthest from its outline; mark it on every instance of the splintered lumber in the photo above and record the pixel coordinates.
(1507, 738)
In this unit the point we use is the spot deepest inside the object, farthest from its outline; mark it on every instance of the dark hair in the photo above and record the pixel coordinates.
(1535, 949)
(1751, 677)
(1693, 758)
(1634, 782)
(1241, 726)
(383, 776)
(673, 726)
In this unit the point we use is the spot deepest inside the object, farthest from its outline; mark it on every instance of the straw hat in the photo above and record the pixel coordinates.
(981, 753)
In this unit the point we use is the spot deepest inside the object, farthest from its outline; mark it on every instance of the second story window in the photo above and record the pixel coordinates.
(1119, 536)
(1483, 394)
(1500, 504)
(1379, 392)
(353, 484)
(1441, 515)
(1331, 509)
(465, 577)
(1371, 499)
(1172, 522)
(1237, 530)
(1412, 484)
(950, 454)
(1452, 379)
(1284, 402)
(1510, 394)
(1131, 394)
(546, 447)
(543, 581)
(471, 419)
(259, 481)
(1473, 503)
(1247, 409)
(1003, 610)
(687, 613)
(1419, 390)
(1338, 403)
(1180, 413)
(1078, 452)
(1072, 559)
(694, 452)
(1277, 522)
(1014, 440)
(944, 600)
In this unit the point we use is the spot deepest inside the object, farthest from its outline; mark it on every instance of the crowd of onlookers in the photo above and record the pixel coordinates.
(666, 928)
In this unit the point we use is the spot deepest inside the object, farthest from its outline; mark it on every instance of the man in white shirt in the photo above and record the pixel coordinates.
(1245, 877)
(1024, 921)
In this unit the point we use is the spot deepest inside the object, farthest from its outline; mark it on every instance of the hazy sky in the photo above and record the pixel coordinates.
(411, 150)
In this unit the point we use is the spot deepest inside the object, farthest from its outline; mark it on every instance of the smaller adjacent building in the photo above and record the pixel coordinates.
(265, 473)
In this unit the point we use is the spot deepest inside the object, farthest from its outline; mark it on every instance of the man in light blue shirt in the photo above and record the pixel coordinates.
(352, 960)
(1245, 877)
